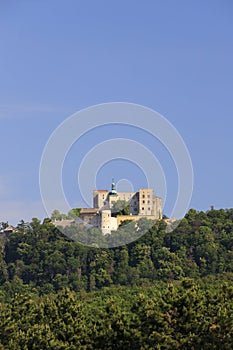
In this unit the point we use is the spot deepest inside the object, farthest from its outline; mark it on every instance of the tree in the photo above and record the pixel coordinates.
(3, 225)
(120, 207)
(56, 215)
(74, 213)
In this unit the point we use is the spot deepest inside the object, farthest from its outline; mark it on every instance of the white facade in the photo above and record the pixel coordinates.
(108, 223)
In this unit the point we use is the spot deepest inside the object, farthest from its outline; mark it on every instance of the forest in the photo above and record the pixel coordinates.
(165, 290)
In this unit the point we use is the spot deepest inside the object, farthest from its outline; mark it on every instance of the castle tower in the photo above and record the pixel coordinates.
(145, 201)
(108, 223)
(113, 191)
(99, 198)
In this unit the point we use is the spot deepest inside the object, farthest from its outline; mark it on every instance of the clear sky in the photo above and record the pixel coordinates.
(58, 57)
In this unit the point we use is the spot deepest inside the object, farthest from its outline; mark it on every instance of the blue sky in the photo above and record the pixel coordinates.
(58, 57)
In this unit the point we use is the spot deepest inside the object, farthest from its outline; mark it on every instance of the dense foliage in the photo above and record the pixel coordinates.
(178, 316)
(166, 290)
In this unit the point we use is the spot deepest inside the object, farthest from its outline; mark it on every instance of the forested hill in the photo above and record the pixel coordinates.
(164, 291)
(39, 258)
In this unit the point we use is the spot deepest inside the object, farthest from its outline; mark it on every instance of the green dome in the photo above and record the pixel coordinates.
(113, 191)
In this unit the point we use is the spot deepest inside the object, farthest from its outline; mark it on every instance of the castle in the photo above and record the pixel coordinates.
(139, 204)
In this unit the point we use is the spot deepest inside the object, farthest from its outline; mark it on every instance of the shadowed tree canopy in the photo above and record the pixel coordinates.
(120, 207)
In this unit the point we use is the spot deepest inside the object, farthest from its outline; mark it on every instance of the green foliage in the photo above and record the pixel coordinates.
(173, 316)
(74, 213)
(3, 225)
(39, 255)
(56, 215)
(165, 290)
(120, 207)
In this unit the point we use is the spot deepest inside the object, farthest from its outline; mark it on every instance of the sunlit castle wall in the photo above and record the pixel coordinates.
(146, 201)
(142, 203)
(108, 223)
(157, 208)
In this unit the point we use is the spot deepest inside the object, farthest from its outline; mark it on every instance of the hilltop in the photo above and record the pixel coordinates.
(166, 290)
(37, 256)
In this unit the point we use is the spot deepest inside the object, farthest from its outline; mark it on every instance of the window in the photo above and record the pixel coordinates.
(148, 196)
(143, 196)
(142, 208)
(135, 209)
(149, 208)
(143, 202)
(148, 202)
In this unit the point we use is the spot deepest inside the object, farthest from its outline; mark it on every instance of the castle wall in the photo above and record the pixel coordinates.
(142, 204)
(108, 223)
(122, 218)
(145, 201)
(99, 198)
(129, 197)
(157, 208)
(90, 217)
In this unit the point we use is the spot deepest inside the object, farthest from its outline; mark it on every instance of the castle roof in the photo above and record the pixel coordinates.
(101, 190)
(89, 211)
(113, 191)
